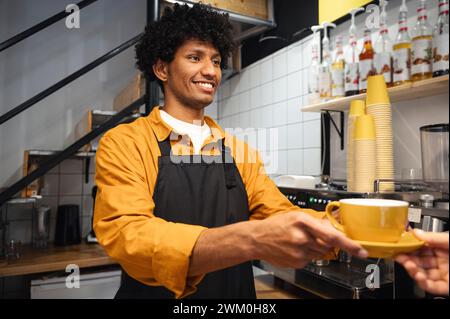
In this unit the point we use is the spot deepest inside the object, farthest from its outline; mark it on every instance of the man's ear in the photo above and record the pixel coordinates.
(160, 68)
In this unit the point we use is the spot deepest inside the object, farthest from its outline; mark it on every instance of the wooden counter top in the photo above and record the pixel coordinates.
(34, 261)
(54, 258)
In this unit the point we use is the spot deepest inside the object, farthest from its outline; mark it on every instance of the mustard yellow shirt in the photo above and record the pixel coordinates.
(152, 250)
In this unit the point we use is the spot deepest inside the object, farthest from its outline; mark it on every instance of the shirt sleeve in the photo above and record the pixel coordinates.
(151, 250)
(265, 199)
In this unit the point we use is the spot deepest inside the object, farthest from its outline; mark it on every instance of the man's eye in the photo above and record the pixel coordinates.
(216, 62)
(194, 58)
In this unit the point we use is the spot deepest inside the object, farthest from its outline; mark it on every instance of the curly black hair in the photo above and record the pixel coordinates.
(162, 38)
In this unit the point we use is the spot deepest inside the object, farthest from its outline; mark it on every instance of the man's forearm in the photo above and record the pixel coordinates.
(222, 247)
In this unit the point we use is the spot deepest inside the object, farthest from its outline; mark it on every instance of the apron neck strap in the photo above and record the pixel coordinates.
(164, 147)
(227, 161)
(228, 165)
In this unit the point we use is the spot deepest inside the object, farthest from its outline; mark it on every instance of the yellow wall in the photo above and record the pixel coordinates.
(331, 10)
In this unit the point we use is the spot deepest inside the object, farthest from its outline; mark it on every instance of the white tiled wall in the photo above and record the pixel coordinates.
(268, 95)
(211, 110)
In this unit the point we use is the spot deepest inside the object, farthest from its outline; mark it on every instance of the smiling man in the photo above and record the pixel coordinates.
(183, 206)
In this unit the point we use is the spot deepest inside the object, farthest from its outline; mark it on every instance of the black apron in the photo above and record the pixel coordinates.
(199, 190)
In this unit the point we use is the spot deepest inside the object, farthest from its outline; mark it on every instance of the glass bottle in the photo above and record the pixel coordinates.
(337, 70)
(440, 41)
(313, 71)
(402, 49)
(325, 66)
(351, 73)
(383, 49)
(366, 67)
(325, 76)
(421, 59)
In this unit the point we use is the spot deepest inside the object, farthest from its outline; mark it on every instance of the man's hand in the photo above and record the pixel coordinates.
(294, 239)
(429, 265)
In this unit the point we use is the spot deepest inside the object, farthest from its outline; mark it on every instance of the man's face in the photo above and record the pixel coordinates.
(194, 74)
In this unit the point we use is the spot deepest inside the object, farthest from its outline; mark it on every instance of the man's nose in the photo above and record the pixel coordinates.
(208, 69)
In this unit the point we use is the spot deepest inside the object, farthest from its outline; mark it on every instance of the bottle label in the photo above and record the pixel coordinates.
(337, 80)
(382, 64)
(324, 82)
(421, 56)
(402, 65)
(365, 70)
(440, 53)
(351, 77)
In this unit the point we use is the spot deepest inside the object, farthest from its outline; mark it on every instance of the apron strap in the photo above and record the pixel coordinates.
(165, 147)
(228, 165)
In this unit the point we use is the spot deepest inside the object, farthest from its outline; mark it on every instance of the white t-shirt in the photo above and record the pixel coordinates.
(197, 133)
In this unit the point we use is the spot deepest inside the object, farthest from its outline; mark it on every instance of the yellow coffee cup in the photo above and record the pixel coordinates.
(357, 108)
(377, 92)
(366, 219)
(364, 128)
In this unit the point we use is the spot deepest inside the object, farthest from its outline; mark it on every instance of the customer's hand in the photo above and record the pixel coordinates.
(293, 239)
(429, 265)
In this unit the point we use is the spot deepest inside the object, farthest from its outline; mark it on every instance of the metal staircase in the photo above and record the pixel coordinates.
(53, 158)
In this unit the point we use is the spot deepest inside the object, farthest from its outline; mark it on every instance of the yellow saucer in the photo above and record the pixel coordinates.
(407, 243)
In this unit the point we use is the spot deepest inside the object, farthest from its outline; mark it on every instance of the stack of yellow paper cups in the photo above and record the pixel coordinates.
(364, 154)
(379, 107)
(357, 108)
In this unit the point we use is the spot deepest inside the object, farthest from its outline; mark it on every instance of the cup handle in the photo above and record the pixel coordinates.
(334, 222)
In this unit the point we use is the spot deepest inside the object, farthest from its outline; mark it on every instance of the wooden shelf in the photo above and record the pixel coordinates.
(93, 119)
(24, 200)
(31, 161)
(43, 153)
(410, 91)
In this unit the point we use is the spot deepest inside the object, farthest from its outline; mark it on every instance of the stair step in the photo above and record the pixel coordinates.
(134, 90)
(99, 117)
(92, 120)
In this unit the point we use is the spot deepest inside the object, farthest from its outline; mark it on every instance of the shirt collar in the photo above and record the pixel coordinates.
(162, 129)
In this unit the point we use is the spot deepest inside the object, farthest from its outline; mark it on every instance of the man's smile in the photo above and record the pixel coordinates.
(206, 85)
